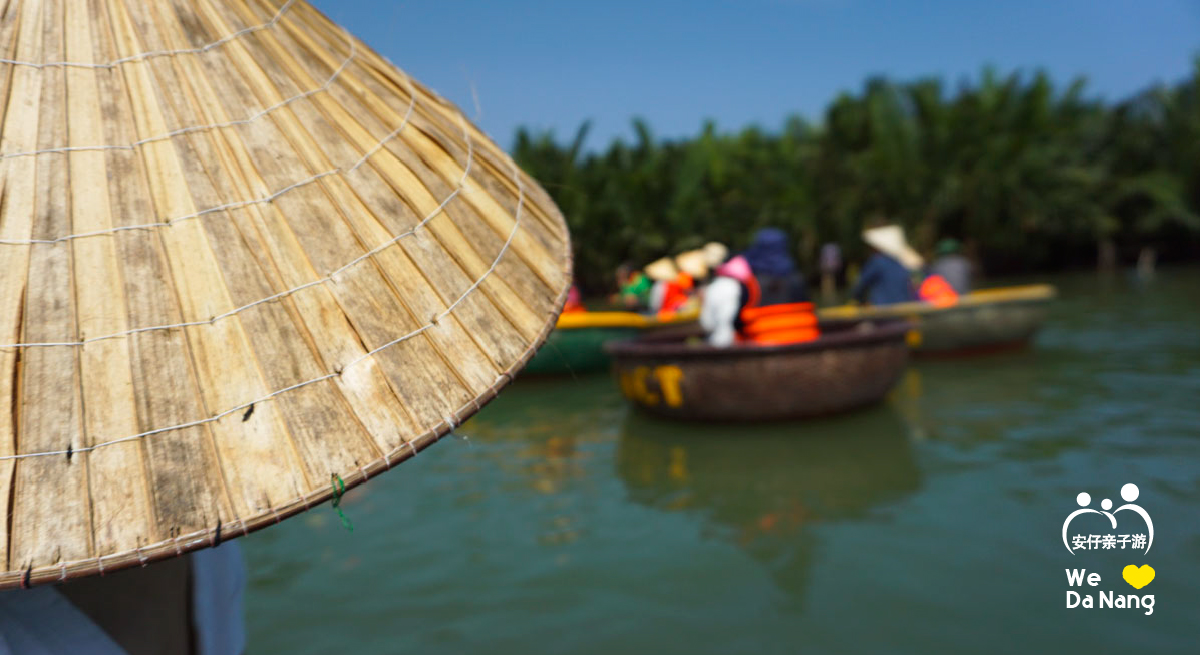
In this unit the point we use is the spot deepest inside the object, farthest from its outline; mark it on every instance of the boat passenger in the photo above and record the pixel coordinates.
(684, 289)
(574, 302)
(733, 312)
(715, 254)
(886, 278)
(778, 276)
(672, 287)
(633, 287)
(831, 269)
(952, 266)
(695, 264)
(723, 299)
(937, 291)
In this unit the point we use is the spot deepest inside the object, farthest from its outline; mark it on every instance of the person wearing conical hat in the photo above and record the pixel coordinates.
(695, 263)
(715, 253)
(691, 268)
(665, 276)
(661, 270)
(675, 281)
(886, 278)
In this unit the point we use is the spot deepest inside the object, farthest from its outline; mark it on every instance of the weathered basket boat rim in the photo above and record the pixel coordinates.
(668, 346)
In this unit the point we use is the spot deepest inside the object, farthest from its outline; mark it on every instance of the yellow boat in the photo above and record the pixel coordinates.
(981, 321)
(577, 343)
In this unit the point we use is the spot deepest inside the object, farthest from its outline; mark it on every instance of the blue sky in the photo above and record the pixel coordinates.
(554, 64)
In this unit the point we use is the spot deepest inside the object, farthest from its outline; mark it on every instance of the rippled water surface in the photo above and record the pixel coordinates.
(567, 523)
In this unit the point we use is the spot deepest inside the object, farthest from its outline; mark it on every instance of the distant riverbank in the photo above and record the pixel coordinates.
(1030, 175)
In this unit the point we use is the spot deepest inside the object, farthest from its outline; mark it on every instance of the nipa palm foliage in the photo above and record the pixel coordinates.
(1031, 176)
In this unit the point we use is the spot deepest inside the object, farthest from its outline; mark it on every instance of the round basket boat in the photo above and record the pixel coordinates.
(983, 321)
(851, 365)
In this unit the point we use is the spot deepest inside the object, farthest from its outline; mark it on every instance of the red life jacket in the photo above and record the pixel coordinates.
(574, 302)
(775, 324)
(676, 294)
(937, 291)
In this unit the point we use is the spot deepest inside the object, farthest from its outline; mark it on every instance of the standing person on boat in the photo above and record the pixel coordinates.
(831, 269)
(887, 276)
(767, 305)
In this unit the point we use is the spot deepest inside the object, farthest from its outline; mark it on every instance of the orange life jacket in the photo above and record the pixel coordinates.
(776, 324)
(676, 294)
(937, 291)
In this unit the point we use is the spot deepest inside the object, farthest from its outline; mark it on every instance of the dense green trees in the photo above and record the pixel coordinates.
(1033, 177)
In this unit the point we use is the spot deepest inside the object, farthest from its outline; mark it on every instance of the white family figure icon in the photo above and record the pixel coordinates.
(1129, 493)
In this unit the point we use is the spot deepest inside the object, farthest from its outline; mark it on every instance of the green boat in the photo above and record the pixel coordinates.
(982, 321)
(577, 343)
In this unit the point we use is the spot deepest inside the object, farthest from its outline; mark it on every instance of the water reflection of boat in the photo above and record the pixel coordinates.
(985, 320)
(851, 365)
(765, 487)
(541, 432)
(577, 343)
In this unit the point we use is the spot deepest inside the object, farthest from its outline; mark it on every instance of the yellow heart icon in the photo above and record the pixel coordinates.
(1138, 577)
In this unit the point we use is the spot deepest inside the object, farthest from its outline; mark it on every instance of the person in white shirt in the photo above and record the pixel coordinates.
(723, 300)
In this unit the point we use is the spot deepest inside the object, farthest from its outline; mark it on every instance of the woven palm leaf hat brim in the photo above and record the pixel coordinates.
(243, 259)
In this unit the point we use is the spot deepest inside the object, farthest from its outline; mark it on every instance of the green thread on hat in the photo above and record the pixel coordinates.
(339, 488)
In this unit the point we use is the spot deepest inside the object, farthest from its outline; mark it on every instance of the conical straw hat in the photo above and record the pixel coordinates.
(889, 239)
(715, 253)
(693, 262)
(661, 270)
(242, 257)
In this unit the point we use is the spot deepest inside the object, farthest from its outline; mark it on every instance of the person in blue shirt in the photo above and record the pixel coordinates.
(886, 278)
(769, 256)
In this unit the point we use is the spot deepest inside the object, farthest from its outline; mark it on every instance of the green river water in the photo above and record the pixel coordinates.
(567, 523)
